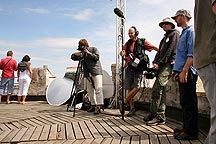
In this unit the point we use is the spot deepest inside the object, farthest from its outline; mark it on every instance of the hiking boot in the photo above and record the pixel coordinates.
(149, 117)
(131, 112)
(97, 110)
(156, 121)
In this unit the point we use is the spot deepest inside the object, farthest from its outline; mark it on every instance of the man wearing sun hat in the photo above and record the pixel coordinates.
(186, 76)
(162, 63)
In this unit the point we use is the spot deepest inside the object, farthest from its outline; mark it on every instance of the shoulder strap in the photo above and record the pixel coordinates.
(6, 63)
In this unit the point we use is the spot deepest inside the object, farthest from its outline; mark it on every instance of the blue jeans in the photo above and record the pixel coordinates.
(7, 82)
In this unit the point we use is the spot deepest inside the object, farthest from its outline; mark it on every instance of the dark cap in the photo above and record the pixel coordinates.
(182, 12)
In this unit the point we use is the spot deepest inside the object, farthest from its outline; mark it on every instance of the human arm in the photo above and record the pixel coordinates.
(149, 47)
(30, 71)
(92, 53)
(214, 6)
(184, 73)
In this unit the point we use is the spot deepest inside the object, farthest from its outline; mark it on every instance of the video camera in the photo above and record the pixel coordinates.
(151, 73)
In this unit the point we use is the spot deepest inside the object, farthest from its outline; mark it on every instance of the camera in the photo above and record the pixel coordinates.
(81, 47)
(151, 73)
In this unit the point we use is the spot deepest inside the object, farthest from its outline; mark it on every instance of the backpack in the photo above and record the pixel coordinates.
(22, 66)
(139, 59)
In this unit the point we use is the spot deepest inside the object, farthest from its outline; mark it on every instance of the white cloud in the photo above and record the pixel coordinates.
(82, 15)
(36, 10)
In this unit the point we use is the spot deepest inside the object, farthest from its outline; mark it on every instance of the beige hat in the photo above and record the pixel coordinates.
(167, 20)
(182, 12)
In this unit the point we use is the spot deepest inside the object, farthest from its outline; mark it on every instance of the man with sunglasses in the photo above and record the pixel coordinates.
(163, 62)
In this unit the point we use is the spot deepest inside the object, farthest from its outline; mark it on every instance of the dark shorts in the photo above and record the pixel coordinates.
(133, 79)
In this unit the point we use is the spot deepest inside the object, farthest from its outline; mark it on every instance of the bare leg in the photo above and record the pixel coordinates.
(131, 94)
(8, 98)
(0, 98)
(19, 98)
(23, 99)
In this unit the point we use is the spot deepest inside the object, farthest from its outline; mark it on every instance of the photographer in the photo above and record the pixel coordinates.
(89, 57)
(162, 65)
(134, 49)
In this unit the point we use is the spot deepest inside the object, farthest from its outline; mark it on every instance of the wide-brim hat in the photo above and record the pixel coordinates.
(167, 20)
(182, 12)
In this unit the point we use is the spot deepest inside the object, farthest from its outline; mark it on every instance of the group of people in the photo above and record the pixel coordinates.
(24, 74)
(182, 56)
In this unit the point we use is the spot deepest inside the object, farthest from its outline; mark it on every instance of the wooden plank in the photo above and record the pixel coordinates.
(19, 135)
(53, 132)
(144, 139)
(78, 141)
(89, 141)
(163, 139)
(135, 140)
(4, 134)
(100, 129)
(36, 134)
(153, 139)
(130, 126)
(55, 119)
(17, 124)
(116, 129)
(69, 132)
(46, 122)
(125, 140)
(143, 130)
(10, 136)
(25, 124)
(93, 130)
(172, 139)
(61, 131)
(107, 140)
(116, 141)
(97, 140)
(69, 141)
(37, 121)
(45, 133)
(4, 127)
(31, 122)
(77, 131)
(49, 119)
(108, 128)
(87, 134)
(123, 127)
(28, 134)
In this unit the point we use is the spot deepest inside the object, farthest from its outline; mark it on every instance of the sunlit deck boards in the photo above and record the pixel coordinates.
(37, 122)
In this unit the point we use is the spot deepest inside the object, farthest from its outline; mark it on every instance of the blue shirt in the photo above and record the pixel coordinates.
(184, 48)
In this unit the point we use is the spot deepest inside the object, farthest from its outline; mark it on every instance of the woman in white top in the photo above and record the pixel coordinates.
(24, 77)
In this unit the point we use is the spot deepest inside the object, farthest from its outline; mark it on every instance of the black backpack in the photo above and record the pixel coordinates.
(22, 66)
(139, 59)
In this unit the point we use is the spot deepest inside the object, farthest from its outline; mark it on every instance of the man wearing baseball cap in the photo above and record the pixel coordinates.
(186, 76)
(162, 63)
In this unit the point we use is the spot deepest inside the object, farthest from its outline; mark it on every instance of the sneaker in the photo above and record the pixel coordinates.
(156, 121)
(149, 117)
(8, 102)
(184, 136)
(131, 112)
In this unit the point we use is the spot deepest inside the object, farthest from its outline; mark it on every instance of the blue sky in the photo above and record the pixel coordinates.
(49, 30)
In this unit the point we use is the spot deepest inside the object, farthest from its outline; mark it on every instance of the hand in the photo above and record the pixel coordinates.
(183, 77)
(122, 53)
(155, 66)
(78, 54)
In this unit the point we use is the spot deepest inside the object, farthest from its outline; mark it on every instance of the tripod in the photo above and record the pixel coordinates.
(75, 88)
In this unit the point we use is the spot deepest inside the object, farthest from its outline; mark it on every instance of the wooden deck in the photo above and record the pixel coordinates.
(37, 122)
